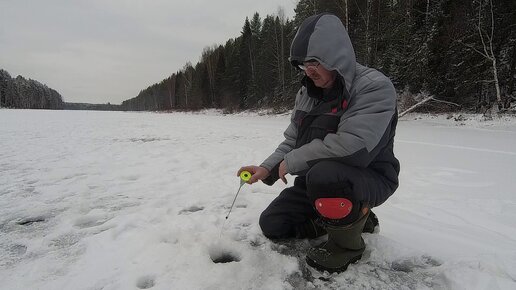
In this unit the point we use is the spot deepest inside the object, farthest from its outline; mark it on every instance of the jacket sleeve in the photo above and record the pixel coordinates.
(361, 129)
(273, 161)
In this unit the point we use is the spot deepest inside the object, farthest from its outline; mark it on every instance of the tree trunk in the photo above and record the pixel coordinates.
(427, 16)
(367, 33)
(493, 57)
(172, 91)
(497, 84)
(281, 16)
(346, 13)
(414, 107)
(512, 71)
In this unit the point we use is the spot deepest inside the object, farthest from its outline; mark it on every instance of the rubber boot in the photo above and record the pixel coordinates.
(371, 225)
(344, 246)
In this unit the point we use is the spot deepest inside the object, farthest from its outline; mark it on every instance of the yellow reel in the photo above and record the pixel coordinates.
(245, 176)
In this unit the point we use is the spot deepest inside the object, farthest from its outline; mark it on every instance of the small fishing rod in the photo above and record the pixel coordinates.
(244, 177)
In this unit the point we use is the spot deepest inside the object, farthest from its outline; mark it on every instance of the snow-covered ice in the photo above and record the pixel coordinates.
(114, 200)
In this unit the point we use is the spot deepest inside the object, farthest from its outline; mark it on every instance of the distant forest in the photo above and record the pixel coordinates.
(22, 93)
(27, 94)
(461, 52)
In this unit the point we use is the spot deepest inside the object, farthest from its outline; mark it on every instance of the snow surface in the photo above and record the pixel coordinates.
(114, 200)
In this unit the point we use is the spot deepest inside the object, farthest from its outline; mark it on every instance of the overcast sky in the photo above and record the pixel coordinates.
(107, 51)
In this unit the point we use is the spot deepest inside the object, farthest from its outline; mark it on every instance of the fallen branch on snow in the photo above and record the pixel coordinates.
(431, 98)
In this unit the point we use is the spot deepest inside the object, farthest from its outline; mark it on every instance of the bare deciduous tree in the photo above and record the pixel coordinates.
(486, 35)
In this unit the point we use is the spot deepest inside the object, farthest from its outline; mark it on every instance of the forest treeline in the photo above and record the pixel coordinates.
(25, 93)
(462, 52)
(93, 107)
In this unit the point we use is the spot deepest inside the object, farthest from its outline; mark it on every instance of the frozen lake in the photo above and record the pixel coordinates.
(115, 200)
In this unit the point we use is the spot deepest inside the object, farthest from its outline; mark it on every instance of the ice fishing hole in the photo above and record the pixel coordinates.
(225, 258)
(219, 254)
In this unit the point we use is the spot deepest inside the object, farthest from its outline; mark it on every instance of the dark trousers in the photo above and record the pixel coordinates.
(294, 207)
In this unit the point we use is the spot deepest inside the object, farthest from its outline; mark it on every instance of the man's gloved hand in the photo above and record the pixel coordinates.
(257, 173)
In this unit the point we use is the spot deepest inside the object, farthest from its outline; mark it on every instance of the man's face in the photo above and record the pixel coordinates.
(321, 77)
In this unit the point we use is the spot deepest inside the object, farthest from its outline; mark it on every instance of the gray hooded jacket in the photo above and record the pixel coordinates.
(364, 132)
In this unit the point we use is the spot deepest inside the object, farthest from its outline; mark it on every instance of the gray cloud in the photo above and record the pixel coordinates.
(107, 51)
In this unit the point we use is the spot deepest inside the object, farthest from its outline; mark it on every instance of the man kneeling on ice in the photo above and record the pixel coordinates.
(339, 144)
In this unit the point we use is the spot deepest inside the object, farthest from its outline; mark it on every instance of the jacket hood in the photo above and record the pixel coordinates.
(324, 38)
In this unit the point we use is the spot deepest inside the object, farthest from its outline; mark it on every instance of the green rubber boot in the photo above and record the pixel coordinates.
(372, 225)
(344, 246)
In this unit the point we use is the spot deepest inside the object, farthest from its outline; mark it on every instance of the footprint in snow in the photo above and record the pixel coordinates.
(11, 254)
(131, 177)
(30, 220)
(90, 221)
(145, 282)
(16, 250)
(191, 209)
(414, 263)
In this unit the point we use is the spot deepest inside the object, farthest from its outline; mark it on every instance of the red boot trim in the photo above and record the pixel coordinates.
(333, 208)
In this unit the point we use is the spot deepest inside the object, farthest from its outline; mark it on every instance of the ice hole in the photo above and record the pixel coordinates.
(221, 254)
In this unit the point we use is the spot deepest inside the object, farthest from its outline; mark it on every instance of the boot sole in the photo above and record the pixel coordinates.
(322, 268)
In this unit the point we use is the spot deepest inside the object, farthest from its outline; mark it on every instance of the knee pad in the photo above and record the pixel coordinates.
(337, 210)
(334, 207)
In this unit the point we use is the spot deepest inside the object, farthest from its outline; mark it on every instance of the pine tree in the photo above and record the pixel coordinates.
(246, 64)
(220, 71)
(306, 8)
(5, 89)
